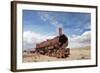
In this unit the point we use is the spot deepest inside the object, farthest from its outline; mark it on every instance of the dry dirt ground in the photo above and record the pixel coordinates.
(75, 54)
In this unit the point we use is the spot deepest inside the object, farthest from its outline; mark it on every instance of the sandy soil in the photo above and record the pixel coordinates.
(75, 54)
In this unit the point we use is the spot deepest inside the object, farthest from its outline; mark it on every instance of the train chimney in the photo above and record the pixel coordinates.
(60, 31)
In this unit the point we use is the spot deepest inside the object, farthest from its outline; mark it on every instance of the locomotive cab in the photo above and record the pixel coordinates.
(63, 39)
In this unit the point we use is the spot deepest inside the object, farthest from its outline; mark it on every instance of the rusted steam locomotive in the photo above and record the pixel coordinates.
(55, 47)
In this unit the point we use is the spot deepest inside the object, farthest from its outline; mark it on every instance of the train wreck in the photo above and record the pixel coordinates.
(55, 47)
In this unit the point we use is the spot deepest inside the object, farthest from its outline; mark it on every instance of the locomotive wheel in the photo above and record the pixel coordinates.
(57, 55)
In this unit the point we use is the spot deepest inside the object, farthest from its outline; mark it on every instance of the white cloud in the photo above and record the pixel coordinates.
(30, 39)
(80, 41)
(45, 16)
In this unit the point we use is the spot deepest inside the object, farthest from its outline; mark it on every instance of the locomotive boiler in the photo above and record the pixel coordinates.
(55, 47)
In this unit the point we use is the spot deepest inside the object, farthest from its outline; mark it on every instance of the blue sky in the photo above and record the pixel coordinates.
(38, 25)
(43, 22)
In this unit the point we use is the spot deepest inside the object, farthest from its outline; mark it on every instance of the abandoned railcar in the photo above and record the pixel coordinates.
(55, 47)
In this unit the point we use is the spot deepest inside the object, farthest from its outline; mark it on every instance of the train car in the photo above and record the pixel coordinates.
(55, 47)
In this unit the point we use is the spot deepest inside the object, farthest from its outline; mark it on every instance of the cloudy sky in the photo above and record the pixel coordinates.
(41, 25)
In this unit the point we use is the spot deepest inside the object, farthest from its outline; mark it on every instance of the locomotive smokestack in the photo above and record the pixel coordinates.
(60, 31)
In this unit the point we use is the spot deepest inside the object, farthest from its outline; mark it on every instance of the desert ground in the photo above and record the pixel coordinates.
(75, 54)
